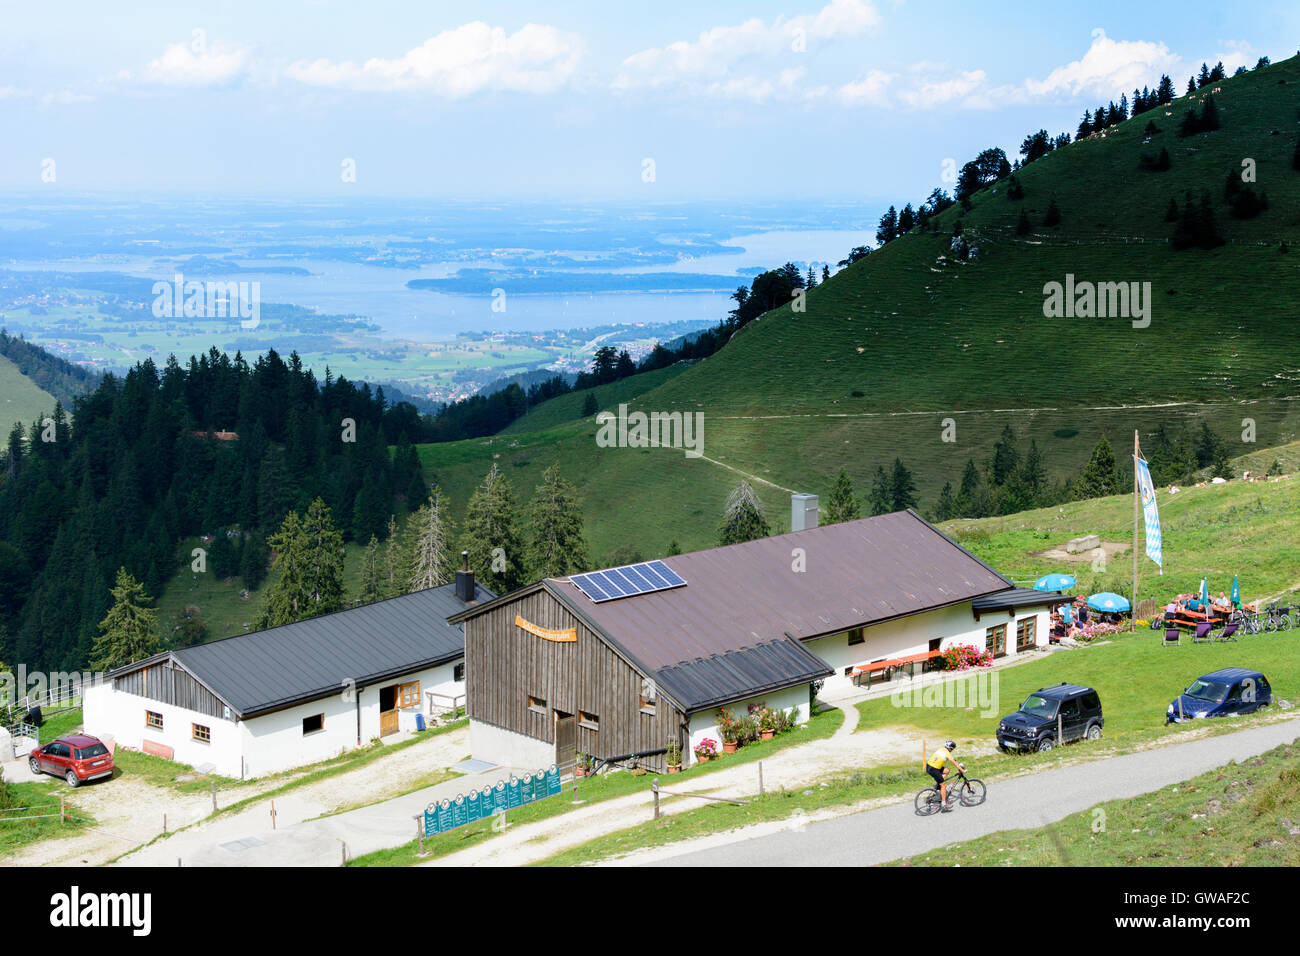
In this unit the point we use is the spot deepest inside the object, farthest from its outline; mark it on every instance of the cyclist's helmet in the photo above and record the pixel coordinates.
(950, 746)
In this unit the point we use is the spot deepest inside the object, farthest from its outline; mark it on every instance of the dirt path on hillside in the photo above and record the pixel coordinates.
(129, 811)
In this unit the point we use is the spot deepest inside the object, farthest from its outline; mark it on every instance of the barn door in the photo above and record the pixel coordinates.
(566, 742)
(387, 710)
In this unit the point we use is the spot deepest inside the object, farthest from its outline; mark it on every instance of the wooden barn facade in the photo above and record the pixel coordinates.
(617, 663)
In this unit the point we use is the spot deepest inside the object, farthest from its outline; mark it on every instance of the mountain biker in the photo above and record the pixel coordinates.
(936, 769)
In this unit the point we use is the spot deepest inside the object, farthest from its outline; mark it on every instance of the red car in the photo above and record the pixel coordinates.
(76, 758)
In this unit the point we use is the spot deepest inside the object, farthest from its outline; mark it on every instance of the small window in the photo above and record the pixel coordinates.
(408, 695)
(313, 724)
(647, 705)
(458, 672)
(848, 671)
(590, 721)
(537, 704)
(200, 733)
(856, 636)
(153, 720)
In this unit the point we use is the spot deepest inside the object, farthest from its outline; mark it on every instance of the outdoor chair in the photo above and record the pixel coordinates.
(1202, 635)
(1228, 631)
(1173, 636)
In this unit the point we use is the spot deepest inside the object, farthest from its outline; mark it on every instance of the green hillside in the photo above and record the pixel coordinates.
(893, 345)
(21, 399)
(568, 408)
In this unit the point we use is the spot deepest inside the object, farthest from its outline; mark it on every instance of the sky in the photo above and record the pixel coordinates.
(841, 100)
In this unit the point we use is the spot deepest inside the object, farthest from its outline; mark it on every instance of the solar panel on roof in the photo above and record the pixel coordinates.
(631, 579)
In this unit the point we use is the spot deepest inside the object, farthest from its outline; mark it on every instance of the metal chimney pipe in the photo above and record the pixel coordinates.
(803, 512)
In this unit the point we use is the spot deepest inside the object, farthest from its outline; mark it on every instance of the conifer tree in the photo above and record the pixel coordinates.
(1098, 476)
(432, 532)
(309, 561)
(1053, 217)
(882, 492)
(842, 505)
(556, 545)
(902, 488)
(491, 535)
(945, 507)
(129, 632)
(742, 518)
(392, 567)
(371, 586)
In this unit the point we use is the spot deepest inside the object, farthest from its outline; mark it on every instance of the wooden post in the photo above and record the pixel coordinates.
(345, 854)
(164, 823)
(273, 826)
(654, 789)
(760, 778)
(214, 796)
(63, 809)
(1060, 728)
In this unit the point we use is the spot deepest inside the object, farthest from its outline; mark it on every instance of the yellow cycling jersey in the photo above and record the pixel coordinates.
(938, 757)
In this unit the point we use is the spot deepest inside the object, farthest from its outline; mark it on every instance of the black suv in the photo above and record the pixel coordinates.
(1035, 726)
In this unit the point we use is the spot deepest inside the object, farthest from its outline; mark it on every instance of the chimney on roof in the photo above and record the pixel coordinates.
(803, 512)
(465, 579)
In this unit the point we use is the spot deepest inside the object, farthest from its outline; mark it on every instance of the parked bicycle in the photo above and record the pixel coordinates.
(969, 791)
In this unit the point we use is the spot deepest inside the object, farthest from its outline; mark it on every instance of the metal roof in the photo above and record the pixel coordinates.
(856, 574)
(713, 681)
(267, 670)
(1018, 597)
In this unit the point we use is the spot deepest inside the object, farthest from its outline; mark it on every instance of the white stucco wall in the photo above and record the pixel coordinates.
(912, 635)
(108, 712)
(507, 748)
(705, 723)
(267, 743)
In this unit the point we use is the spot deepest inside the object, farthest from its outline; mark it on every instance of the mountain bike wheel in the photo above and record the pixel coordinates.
(928, 801)
(1284, 622)
(972, 793)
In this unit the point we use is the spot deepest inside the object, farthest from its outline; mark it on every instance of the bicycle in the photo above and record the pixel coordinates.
(969, 792)
(1252, 622)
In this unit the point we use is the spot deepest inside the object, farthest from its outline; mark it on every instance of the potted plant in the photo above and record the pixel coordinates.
(674, 757)
(729, 729)
(766, 724)
(706, 750)
(580, 765)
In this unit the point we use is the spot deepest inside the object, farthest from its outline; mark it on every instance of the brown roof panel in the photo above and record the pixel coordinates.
(857, 573)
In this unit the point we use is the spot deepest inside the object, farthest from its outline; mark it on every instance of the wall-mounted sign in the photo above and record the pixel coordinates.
(562, 635)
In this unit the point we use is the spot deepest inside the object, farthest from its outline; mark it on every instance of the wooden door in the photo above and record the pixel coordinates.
(388, 710)
(566, 742)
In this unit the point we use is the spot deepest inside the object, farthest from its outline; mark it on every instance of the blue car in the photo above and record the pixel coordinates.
(1232, 690)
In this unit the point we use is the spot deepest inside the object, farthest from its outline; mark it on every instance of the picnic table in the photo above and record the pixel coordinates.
(891, 664)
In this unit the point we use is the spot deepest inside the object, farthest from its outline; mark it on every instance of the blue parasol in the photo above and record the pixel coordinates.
(1054, 582)
(1108, 601)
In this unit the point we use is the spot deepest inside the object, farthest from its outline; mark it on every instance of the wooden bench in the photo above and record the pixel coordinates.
(894, 663)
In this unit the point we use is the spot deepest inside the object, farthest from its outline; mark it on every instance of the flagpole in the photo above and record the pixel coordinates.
(1137, 497)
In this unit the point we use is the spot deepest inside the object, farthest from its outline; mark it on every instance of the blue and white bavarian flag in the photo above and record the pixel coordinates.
(1149, 511)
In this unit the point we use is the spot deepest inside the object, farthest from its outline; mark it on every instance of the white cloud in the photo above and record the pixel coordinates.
(197, 64)
(460, 62)
(65, 98)
(931, 93)
(725, 58)
(13, 93)
(871, 89)
(1107, 69)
